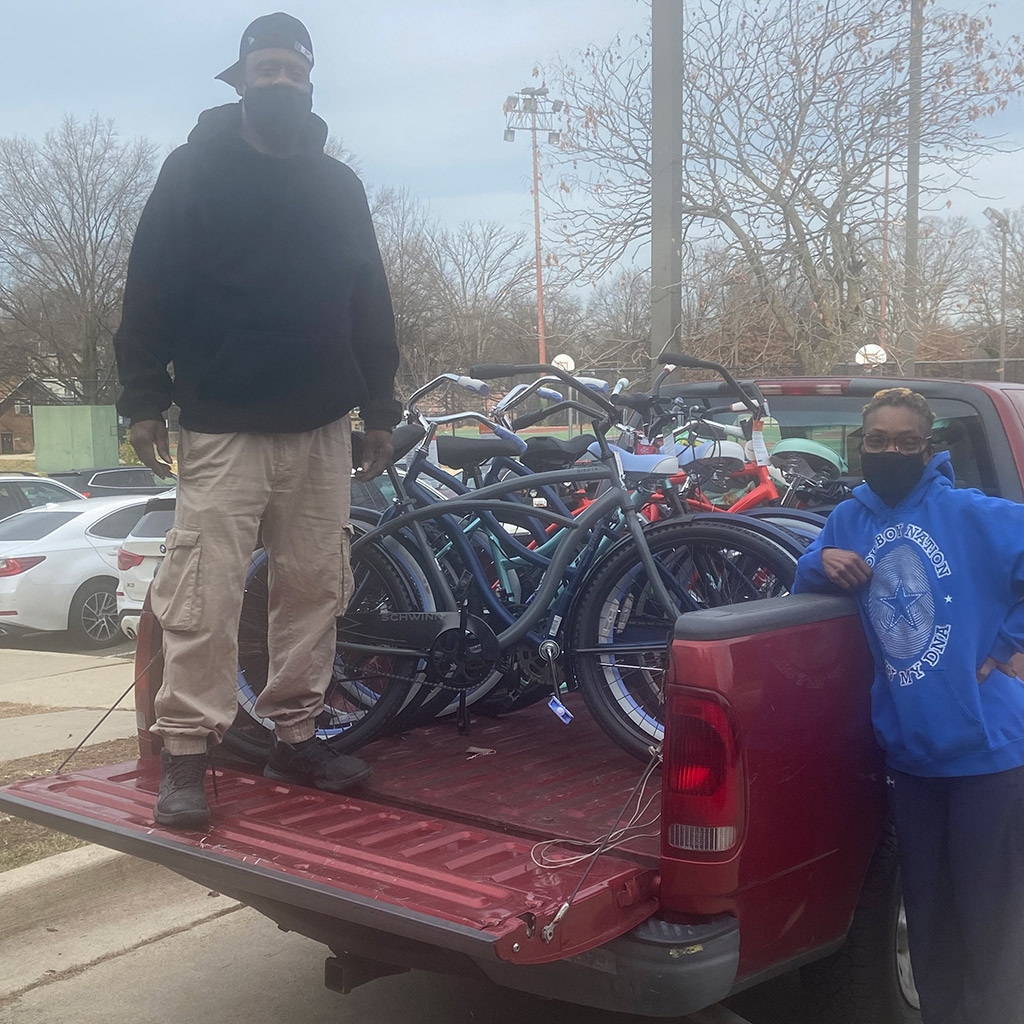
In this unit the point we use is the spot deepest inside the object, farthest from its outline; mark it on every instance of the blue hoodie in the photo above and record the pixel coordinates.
(945, 593)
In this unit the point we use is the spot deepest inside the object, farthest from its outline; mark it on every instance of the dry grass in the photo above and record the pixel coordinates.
(10, 710)
(22, 842)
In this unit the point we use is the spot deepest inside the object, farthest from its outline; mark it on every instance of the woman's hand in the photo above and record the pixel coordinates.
(845, 569)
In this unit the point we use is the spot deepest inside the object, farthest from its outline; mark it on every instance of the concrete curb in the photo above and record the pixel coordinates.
(65, 912)
(37, 893)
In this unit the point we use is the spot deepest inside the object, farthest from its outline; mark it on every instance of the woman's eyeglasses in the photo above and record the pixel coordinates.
(905, 444)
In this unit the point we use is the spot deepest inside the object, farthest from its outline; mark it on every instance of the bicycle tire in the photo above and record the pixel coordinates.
(618, 607)
(353, 715)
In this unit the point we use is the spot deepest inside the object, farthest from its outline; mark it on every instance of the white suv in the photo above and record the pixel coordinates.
(140, 556)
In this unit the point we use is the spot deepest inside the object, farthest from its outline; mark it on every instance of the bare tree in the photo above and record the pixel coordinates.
(986, 288)
(335, 147)
(619, 320)
(68, 210)
(792, 112)
(404, 231)
(481, 271)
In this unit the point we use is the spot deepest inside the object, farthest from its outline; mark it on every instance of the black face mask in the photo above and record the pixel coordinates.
(890, 475)
(277, 112)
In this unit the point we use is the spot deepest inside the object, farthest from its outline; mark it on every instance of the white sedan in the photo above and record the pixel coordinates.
(58, 568)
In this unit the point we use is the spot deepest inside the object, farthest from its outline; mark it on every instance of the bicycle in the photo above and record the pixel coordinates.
(667, 569)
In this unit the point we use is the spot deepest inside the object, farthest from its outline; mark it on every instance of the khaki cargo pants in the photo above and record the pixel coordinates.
(300, 485)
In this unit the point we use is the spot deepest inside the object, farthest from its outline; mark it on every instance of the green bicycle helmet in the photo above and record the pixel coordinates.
(819, 457)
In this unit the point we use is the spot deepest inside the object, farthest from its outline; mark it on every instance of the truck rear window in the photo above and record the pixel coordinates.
(835, 420)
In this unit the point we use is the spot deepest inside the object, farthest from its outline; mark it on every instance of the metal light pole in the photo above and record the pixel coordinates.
(531, 110)
(667, 69)
(912, 281)
(1002, 222)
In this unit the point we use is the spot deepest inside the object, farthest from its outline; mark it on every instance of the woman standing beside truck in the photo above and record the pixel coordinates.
(938, 574)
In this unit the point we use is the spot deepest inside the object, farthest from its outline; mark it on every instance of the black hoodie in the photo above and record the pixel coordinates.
(259, 278)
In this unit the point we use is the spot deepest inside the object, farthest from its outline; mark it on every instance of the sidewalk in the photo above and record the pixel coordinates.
(67, 911)
(71, 691)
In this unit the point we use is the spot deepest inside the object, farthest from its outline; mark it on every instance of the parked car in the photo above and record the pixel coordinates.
(58, 568)
(139, 558)
(112, 481)
(19, 491)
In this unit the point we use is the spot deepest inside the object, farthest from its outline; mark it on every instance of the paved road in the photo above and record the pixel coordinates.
(63, 643)
(239, 969)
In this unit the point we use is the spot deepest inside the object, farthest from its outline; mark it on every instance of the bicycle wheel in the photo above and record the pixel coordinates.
(620, 634)
(364, 693)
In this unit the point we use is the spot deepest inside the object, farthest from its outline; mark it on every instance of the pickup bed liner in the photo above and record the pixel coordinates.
(437, 848)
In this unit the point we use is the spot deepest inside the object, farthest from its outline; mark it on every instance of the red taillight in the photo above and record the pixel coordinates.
(85, 494)
(15, 566)
(127, 560)
(703, 805)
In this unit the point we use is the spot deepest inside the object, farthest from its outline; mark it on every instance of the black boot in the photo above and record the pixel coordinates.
(312, 763)
(182, 802)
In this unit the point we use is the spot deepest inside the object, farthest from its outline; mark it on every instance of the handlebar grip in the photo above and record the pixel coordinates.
(488, 371)
(689, 362)
(472, 384)
(507, 435)
(528, 419)
(638, 403)
(550, 394)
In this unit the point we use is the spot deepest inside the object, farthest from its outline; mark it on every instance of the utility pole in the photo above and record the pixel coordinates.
(1002, 222)
(531, 110)
(666, 176)
(911, 284)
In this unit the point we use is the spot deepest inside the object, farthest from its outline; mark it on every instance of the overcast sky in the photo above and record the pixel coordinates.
(414, 87)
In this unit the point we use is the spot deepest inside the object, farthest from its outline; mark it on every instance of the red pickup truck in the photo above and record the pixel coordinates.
(771, 853)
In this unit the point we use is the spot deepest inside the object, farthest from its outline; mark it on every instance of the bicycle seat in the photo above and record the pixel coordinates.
(725, 456)
(642, 465)
(549, 453)
(472, 452)
(404, 438)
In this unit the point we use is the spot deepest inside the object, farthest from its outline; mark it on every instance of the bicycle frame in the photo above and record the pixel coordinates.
(580, 538)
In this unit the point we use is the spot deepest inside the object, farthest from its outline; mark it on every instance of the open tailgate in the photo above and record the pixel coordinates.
(462, 887)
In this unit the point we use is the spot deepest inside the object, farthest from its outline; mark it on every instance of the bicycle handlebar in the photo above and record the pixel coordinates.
(488, 371)
(469, 383)
(692, 363)
(495, 428)
(528, 419)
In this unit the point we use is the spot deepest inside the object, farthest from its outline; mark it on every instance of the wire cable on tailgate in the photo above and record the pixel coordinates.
(612, 839)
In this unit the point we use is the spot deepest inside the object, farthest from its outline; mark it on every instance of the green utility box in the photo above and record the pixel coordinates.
(74, 437)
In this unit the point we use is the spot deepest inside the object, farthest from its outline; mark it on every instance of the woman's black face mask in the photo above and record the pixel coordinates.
(277, 112)
(890, 475)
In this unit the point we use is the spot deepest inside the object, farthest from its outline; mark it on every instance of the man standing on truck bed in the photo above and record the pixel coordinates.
(938, 574)
(255, 271)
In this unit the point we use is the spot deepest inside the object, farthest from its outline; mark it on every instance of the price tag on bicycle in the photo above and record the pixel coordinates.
(761, 455)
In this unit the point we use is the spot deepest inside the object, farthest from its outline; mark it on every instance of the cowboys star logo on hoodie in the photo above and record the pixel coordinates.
(907, 602)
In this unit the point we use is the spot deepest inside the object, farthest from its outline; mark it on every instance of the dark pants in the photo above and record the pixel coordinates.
(962, 857)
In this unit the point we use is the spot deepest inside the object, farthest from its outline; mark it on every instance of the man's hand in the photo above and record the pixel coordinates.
(149, 439)
(845, 569)
(990, 664)
(377, 453)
